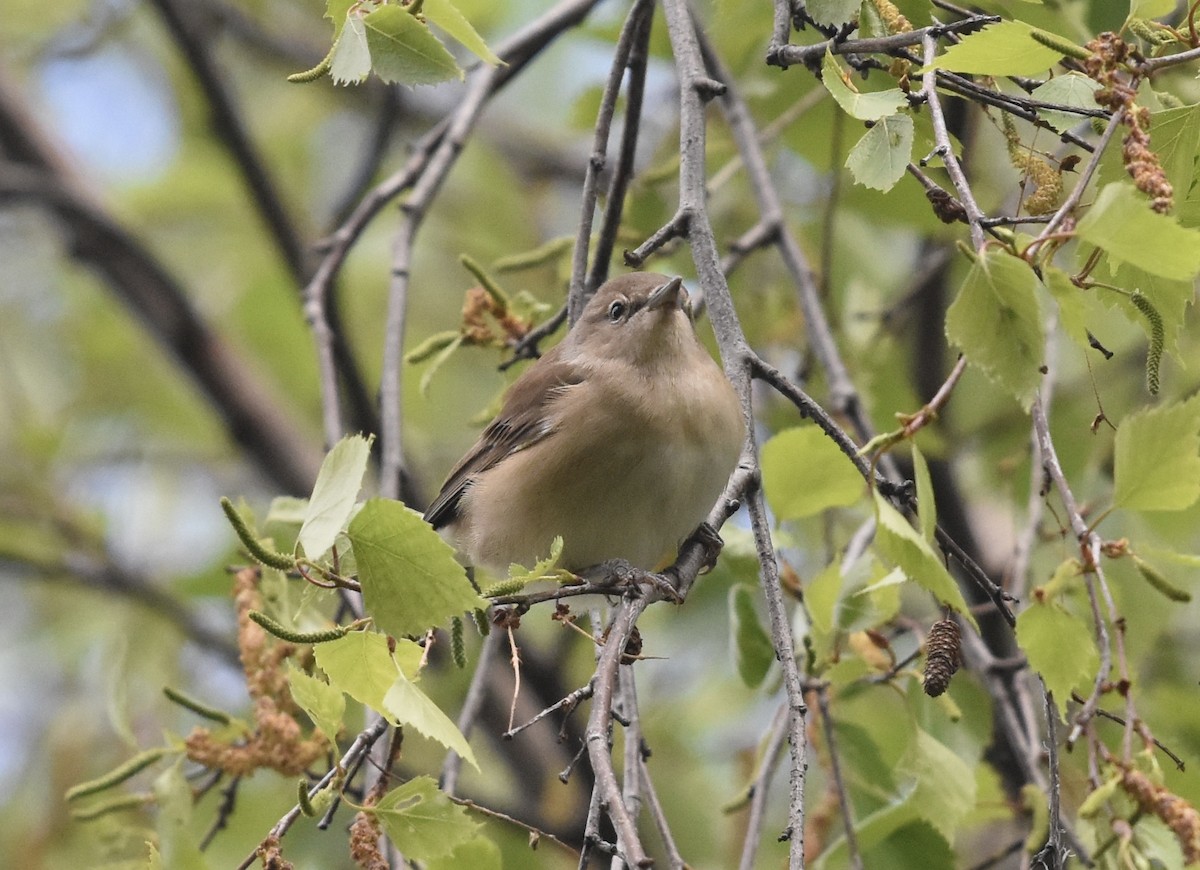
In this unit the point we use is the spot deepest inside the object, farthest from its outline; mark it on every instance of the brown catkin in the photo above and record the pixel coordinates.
(1176, 813)
(364, 843)
(942, 654)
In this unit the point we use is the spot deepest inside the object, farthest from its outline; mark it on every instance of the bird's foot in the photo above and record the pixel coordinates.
(708, 538)
(623, 574)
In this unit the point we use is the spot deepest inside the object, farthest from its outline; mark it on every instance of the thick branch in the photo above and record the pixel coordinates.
(251, 412)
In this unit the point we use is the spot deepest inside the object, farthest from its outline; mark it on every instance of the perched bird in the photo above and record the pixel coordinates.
(619, 439)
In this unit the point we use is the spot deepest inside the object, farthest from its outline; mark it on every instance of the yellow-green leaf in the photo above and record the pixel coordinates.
(1060, 647)
(361, 665)
(409, 577)
(423, 823)
(448, 17)
(1070, 89)
(926, 507)
(324, 704)
(1156, 465)
(350, 60)
(900, 543)
(408, 705)
(404, 50)
(997, 322)
(1002, 49)
(1123, 224)
(752, 648)
(805, 473)
(880, 158)
(866, 107)
(945, 792)
(334, 493)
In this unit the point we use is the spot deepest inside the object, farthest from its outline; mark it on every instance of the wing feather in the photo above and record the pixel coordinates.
(521, 422)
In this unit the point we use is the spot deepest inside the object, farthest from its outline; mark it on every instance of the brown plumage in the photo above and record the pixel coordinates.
(619, 439)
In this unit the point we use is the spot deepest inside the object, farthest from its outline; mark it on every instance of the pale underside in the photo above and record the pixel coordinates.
(632, 483)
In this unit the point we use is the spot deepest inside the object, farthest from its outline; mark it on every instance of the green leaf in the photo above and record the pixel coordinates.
(832, 12)
(997, 322)
(409, 577)
(404, 50)
(333, 495)
(408, 705)
(287, 510)
(1072, 304)
(173, 795)
(821, 594)
(361, 665)
(324, 704)
(423, 823)
(1122, 223)
(871, 830)
(752, 649)
(898, 542)
(926, 507)
(1068, 89)
(437, 362)
(805, 473)
(880, 158)
(1060, 647)
(1170, 298)
(865, 107)
(478, 854)
(350, 61)
(448, 17)
(544, 569)
(337, 12)
(1003, 49)
(1175, 138)
(945, 792)
(1150, 8)
(1157, 458)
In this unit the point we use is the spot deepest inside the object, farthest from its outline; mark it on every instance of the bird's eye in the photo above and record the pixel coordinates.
(616, 311)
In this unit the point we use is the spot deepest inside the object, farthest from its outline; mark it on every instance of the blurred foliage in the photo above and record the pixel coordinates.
(115, 459)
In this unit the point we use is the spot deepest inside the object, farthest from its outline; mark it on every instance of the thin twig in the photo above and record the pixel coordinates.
(614, 205)
(571, 701)
(760, 787)
(536, 834)
(1089, 543)
(487, 80)
(787, 55)
(631, 32)
(944, 148)
(632, 788)
(674, 857)
(1085, 177)
(472, 706)
(229, 128)
(361, 745)
(598, 735)
(839, 783)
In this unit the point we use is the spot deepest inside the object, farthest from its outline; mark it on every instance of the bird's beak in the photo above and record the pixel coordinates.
(666, 295)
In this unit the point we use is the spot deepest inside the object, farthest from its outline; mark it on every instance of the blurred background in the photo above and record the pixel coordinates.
(162, 192)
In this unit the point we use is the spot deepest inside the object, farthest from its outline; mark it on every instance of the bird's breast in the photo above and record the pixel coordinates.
(633, 464)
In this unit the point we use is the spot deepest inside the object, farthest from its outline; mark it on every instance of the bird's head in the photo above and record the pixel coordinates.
(641, 318)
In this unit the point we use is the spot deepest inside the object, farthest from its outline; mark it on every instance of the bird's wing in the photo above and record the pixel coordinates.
(521, 422)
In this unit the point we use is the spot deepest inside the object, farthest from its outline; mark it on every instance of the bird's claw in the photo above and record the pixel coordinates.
(708, 538)
(623, 574)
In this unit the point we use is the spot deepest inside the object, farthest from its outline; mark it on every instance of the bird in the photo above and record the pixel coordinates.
(619, 439)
